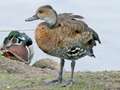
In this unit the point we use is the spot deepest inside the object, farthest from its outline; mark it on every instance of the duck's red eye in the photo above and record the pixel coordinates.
(14, 38)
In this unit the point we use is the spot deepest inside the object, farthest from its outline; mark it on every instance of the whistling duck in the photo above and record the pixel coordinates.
(65, 37)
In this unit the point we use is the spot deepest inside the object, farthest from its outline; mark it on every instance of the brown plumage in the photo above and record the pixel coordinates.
(67, 30)
(63, 36)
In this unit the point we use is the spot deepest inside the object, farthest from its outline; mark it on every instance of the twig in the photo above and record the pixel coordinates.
(16, 30)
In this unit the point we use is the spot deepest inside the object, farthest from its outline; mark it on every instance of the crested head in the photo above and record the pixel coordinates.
(46, 13)
(17, 38)
(19, 45)
(12, 33)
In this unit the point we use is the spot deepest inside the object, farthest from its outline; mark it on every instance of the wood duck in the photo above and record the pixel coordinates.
(18, 44)
(65, 37)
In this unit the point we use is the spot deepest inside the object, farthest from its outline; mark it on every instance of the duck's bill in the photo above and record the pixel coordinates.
(9, 44)
(32, 18)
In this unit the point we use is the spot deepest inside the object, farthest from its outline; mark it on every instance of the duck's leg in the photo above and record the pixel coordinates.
(60, 78)
(70, 81)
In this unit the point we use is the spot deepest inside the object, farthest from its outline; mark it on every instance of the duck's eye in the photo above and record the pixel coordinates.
(40, 11)
(17, 41)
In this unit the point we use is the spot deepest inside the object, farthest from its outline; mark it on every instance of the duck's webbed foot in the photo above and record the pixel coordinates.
(54, 81)
(67, 83)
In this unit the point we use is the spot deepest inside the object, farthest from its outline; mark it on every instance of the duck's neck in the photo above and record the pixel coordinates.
(51, 20)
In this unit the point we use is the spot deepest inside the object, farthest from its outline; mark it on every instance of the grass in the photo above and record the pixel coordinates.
(1, 58)
(104, 80)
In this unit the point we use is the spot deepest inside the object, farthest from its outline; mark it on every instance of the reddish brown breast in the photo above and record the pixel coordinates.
(19, 50)
(48, 39)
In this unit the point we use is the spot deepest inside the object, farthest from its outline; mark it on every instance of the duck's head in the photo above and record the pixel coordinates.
(19, 44)
(17, 38)
(46, 13)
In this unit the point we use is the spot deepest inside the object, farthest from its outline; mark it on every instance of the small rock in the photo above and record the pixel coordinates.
(8, 86)
(48, 63)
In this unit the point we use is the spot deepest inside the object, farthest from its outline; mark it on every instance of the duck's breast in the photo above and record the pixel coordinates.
(19, 50)
(48, 39)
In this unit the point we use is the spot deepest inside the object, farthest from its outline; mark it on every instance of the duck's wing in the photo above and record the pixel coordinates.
(66, 16)
(74, 26)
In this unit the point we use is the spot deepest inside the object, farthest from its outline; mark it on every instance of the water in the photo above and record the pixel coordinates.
(103, 16)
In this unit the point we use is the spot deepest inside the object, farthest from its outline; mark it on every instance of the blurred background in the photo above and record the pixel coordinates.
(103, 16)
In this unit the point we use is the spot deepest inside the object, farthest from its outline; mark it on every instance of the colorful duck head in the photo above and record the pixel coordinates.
(18, 46)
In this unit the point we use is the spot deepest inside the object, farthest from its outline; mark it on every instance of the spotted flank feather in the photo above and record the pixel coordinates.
(76, 51)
